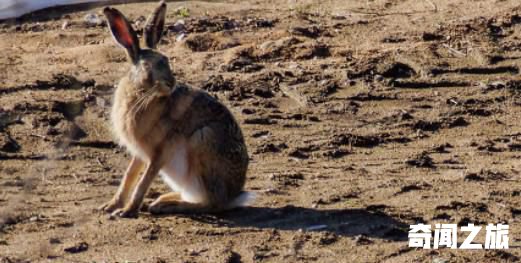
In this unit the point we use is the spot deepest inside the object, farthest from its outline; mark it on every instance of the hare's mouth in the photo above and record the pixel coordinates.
(162, 89)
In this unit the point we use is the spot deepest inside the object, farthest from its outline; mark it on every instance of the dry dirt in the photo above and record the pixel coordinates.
(361, 117)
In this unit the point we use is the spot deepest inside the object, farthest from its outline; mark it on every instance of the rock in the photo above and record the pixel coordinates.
(336, 153)
(458, 122)
(151, 234)
(299, 154)
(421, 160)
(439, 260)
(7, 118)
(54, 240)
(69, 109)
(249, 111)
(76, 248)
(8, 144)
(179, 26)
(232, 257)
(68, 129)
(356, 140)
(260, 121)
(261, 22)
(217, 83)
(362, 240)
(396, 70)
(338, 17)
(101, 102)
(426, 36)
(201, 42)
(270, 148)
(243, 64)
(276, 49)
(311, 31)
(327, 238)
(424, 125)
(318, 50)
(93, 20)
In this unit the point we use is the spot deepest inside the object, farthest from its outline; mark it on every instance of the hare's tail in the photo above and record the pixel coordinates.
(244, 199)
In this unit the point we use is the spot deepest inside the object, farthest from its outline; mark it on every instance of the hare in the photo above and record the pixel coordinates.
(184, 134)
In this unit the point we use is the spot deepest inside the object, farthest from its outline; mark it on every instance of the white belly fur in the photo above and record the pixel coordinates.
(176, 175)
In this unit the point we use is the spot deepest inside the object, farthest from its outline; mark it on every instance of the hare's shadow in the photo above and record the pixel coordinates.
(342, 222)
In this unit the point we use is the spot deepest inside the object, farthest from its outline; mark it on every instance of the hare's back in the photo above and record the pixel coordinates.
(209, 118)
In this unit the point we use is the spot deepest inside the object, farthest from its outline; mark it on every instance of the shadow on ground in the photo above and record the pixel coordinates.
(343, 222)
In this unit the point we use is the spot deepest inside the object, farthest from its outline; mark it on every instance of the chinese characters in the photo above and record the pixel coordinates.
(446, 235)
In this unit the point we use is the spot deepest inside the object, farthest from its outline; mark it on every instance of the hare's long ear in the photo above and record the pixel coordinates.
(122, 32)
(154, 26)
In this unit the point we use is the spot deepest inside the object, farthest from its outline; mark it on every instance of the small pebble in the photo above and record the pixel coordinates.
(93, 20)
(54, 240)
(179, 26)
(77, 248)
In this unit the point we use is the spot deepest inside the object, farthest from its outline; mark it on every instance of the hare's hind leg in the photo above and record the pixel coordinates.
(163, 202)
(125, 188)
(165, 198)
(171, 203)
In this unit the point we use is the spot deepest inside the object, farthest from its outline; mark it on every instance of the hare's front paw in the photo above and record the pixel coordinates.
(111, 206)
(126, 212)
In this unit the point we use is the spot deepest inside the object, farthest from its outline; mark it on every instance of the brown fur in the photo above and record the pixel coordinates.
(153, 117)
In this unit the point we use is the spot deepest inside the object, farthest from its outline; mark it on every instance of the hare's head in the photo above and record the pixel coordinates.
(150, 68)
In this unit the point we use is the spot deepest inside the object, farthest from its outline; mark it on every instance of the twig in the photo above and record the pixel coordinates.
(373, 13)
(100, 163)
(74, 200)
(453, 50)
(75, 177)
(295, 95)
(39, 136)
(433, 5)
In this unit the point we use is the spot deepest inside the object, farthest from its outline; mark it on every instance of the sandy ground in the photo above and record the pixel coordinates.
(361, 117)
